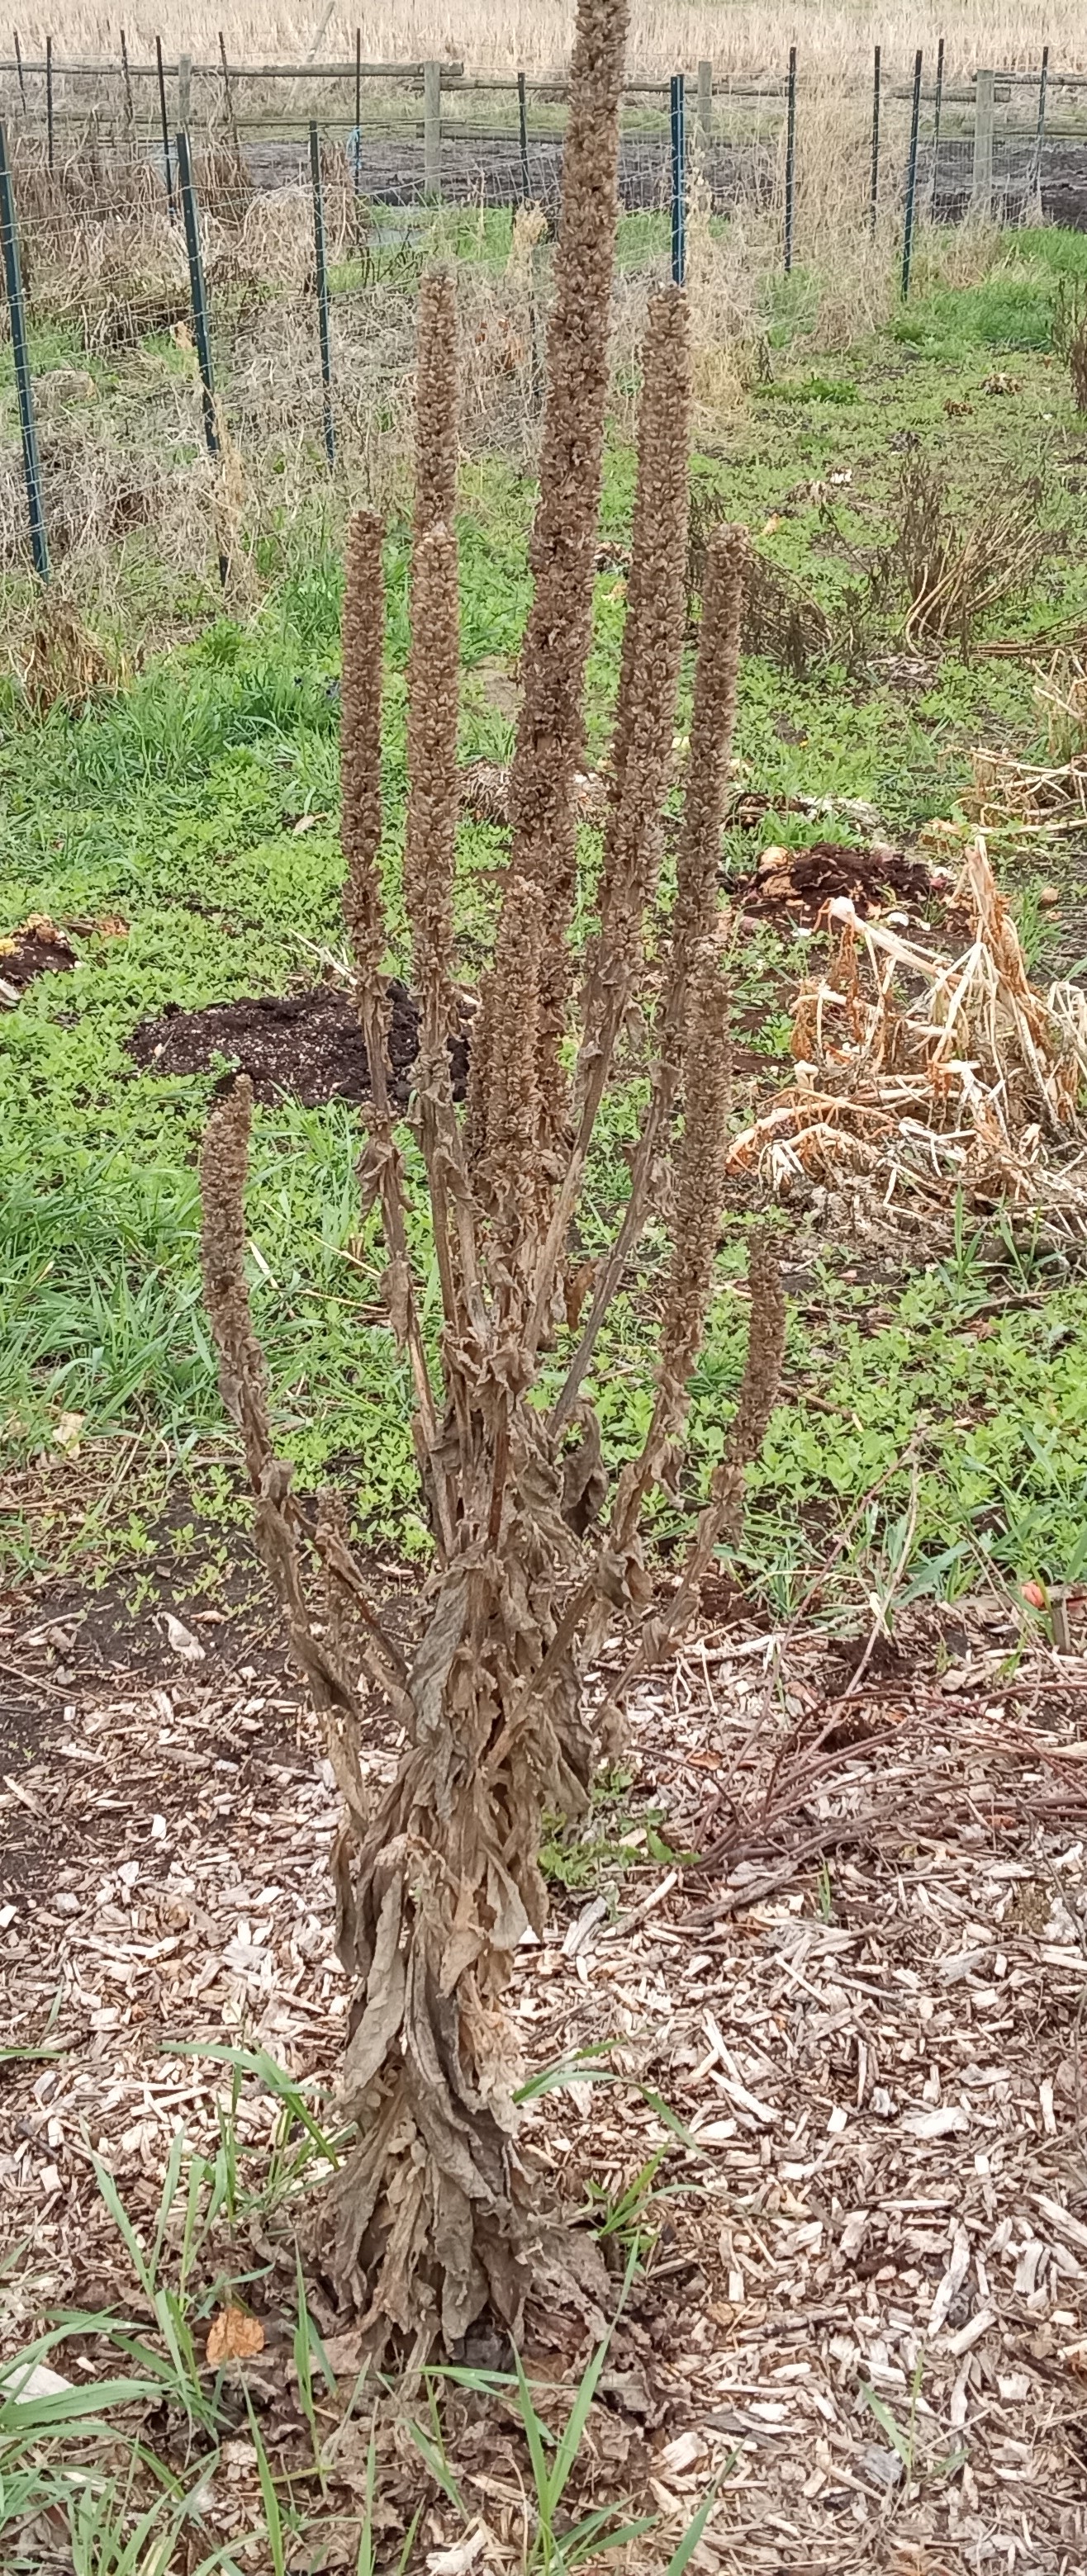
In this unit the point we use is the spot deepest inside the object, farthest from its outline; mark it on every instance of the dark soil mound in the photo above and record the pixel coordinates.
(800, 882)
(307, 1046)
(39, 948)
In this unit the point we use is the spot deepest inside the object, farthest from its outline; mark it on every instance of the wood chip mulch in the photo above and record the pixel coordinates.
(866, 2309)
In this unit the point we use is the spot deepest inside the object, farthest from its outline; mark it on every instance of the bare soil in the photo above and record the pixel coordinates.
(797, 883)
(39, 948)
(303, 1046)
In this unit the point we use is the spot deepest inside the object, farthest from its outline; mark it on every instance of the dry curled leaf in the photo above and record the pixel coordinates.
(234, 2336)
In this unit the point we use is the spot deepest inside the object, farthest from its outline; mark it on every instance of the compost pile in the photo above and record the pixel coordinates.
(929, 1074)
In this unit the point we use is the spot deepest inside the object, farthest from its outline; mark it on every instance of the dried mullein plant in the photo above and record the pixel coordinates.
(433, 2214)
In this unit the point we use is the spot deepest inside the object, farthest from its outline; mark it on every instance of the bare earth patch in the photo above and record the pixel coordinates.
(865, 2307)
(305, 1046)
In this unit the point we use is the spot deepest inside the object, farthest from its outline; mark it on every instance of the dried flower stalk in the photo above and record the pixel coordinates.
(436, 422)
(224, 1164)
(713, 718)
(430, 839)
(550, 731)
(431, 2215)
(698, 867)
(653, 632)
(699, 1191)
(645, 714)
(360, 744)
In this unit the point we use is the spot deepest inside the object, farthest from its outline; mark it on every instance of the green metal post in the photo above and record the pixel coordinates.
(911, 177)
(322, 294)
(190, 212)
(790, 161)
(13, 281)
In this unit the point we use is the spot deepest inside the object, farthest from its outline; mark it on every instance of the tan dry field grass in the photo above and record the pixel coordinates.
(742, 39)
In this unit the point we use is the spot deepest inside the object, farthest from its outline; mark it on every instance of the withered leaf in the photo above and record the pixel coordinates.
(234, 2336)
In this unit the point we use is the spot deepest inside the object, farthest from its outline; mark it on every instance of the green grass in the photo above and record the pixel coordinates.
(174, 806)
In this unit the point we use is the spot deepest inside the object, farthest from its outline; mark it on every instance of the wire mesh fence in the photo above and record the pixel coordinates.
(318, 197)
(415, 133)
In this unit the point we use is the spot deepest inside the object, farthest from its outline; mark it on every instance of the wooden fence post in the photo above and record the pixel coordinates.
(705, 105)
(981, 194)
(432, 131)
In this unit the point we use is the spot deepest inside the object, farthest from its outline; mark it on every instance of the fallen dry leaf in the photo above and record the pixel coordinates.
(234, 2336)
(182, 1640)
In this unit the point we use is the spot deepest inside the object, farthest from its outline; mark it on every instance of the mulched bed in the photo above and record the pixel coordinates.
(866, 2007)
(307, 1046)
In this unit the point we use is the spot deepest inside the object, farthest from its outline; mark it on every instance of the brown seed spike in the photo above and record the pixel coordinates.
(712, 722)
(224, 1166)
(511, 1170)
(765, 1350)
(701, 1163)
(653, 634)
(430, 842)
(550, 731)
(436, 428)
(360, 743)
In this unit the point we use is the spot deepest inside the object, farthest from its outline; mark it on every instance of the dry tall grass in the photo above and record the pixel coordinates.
(835, 39)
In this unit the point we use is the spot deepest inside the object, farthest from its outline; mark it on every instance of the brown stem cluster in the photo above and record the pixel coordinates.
(432, 2214)
(550, 732)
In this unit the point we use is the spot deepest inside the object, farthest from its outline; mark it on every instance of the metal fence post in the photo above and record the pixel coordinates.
(49, 99)
(322, 294)
(231, 117)
(165, 122)
(790, 161)
(911, 176)
(358, 110)
(981, 194)
(522, 126)
(432, 131)
(19, 69)
(936, 124)
(679, 181)
(13, 281)
(1034, 183)
(184, 91)
(130, 110)
(199, 309)
(705, 104)
(873, 208)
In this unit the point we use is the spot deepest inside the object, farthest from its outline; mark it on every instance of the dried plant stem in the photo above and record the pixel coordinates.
(430, 841)
(712, 723)
(360, 753)
(224, 1163)
(429, 852)
(700, 1188)
(653, 632)
(556, 645)
(713, 717)
(360, 772)
(723, 1514)
(436, 409)
(645, 715)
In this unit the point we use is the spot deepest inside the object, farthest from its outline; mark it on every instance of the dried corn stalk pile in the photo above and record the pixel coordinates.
(931, 1074)
(1040, 795)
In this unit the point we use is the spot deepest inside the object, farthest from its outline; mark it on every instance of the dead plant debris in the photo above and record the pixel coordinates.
(931, 1074)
